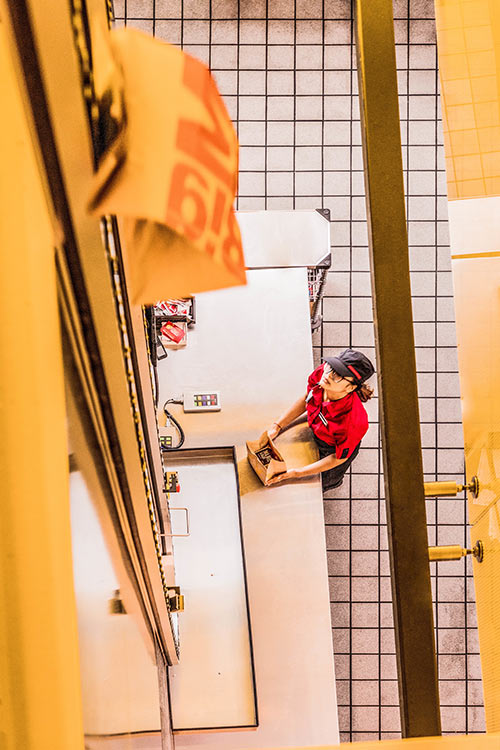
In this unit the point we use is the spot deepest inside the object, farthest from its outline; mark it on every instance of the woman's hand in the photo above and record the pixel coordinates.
(274, 430)
(290, 474)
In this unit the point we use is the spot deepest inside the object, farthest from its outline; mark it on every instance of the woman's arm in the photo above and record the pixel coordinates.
(324, 464)
(296, 410)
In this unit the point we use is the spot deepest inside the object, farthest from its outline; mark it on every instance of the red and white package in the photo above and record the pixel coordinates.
(167, 307)
(174, 306)
(183, 307)
(174, 332)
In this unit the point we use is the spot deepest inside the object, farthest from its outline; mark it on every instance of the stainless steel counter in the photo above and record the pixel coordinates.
(279, 239)
(253, 344)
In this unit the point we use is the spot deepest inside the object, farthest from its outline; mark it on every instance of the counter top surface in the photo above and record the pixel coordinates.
(253, 344)
(280, 238)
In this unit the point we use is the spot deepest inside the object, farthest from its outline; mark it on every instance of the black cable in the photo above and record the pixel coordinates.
(157, 386)
(176, 424)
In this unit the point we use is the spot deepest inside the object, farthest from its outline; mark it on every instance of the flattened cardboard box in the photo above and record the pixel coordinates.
(264, 458)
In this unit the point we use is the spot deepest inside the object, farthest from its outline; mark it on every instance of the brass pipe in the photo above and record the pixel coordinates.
(448, 552)
(444, 489)
(455, 552)
(450, 489)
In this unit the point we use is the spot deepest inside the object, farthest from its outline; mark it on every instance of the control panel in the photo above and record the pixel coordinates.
(201, 400)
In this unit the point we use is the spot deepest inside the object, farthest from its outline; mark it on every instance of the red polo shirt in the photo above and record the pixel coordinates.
(341, 423)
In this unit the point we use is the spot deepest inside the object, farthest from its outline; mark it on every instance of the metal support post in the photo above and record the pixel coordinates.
(405, 502)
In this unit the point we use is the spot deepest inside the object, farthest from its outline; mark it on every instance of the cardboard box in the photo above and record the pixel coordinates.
(264, 458)
(174, 335)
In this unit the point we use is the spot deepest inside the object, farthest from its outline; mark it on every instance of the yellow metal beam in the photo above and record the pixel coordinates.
(40, 707)
(399, 417)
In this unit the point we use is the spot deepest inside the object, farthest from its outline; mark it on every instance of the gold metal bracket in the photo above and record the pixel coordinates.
(449, 489)
(116, 606)
(456, 552)
(473, 486)
(176, 599)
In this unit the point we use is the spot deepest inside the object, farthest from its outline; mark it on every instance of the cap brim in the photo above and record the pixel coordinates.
(340, 368)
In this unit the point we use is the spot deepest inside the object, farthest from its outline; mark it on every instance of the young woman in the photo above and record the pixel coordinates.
(335, 414)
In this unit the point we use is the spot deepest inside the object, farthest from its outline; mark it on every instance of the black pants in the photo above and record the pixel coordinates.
(334, 476)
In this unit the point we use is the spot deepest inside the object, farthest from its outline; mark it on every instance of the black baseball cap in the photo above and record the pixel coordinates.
(352, 364)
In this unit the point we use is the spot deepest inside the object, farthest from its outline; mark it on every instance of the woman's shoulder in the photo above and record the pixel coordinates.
(315, 376)
(359, 408)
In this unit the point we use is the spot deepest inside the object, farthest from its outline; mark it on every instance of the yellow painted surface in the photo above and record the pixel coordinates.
(487, 583)
(468, 34)
(39, 672)
(476, 255)
(477, 308)
(463, 742)
(469, 65)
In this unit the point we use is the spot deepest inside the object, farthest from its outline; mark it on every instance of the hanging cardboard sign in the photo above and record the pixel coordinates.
(174, 174)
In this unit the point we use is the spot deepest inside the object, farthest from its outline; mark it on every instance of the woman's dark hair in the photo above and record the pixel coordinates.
(365, 392)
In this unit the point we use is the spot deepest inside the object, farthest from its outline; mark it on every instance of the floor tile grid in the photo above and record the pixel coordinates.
(355, 699)
(450, 718)
(352, 721)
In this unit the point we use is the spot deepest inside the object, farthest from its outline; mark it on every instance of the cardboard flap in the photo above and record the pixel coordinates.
(264, 458)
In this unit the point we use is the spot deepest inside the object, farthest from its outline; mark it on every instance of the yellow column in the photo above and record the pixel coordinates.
(468, 34)
(40, 707)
